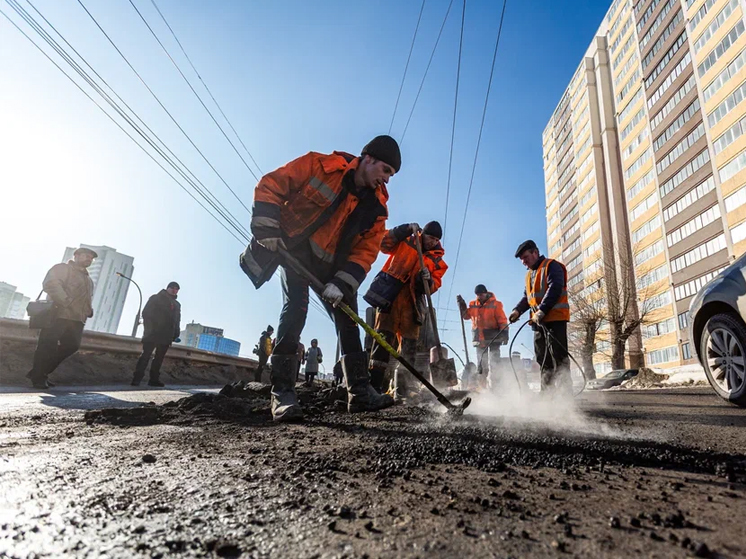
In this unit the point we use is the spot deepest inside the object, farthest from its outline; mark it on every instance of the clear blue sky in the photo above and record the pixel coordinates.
(293, 76)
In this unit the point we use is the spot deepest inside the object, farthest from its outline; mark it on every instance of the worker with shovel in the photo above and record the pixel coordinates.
(398, 293)
(328, 214)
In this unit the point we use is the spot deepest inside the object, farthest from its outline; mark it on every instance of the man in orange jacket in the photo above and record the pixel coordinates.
(397, 293)
(488, 327)
(328, 211)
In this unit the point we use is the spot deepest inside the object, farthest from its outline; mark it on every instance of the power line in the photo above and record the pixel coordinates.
(476, 151)
(121, 54)
(406, 67)
(205, 85)
(168, 54)
(427, 69)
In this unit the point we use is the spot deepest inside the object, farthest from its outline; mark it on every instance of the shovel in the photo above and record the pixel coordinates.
(443, 369)
(470, 369)
(453, 409)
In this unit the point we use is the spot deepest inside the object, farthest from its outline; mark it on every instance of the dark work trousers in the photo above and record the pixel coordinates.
(551, 353)
(155, 367)
(56, 343)
(380, 358)
(260, 369)
(293, 317)
(487, 357)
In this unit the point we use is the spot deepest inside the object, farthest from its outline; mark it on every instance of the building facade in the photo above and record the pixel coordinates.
(110, 291)
(209, 339)
(678, 82)
(12, 302)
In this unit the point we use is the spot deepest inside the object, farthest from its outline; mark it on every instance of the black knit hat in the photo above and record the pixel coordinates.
(433, 229)
(480, 289)
(524, 246)
(173, 285)
(385, 149)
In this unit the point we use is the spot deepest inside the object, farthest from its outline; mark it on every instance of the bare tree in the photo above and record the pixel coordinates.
(587, 318)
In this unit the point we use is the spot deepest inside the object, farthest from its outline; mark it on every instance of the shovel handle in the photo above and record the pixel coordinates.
(426, 285)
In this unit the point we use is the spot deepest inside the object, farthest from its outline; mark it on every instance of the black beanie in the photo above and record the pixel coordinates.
(480, 289)
(384, 148)
(173, 285)
(433, 229)
(524, 246)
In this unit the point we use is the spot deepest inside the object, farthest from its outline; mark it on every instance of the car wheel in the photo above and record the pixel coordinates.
(723, 351)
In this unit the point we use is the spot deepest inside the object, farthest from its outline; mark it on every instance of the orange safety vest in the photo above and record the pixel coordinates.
(486, 319)
(404, 262)
(535, 293)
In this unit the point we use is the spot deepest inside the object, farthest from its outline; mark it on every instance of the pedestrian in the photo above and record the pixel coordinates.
(329, 212)
(314, 356)
(398, 294)
(301, 360)
(488, 328)
(338, 375)
(545, 296)
(70, 288)
(161, 319)
(263, 351)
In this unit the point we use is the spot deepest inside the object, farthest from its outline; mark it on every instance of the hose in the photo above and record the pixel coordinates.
(454, 352)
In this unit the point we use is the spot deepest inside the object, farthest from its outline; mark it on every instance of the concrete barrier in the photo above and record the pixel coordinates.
(108, 358)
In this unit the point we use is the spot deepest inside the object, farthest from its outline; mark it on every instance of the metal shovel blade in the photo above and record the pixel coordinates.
(444, 373)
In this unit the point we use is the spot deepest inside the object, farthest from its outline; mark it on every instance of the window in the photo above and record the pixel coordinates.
(675, 73)
(695, 224)
(590, 231)
(697, 18)
(721, 49)
(686, 352)
(575, 261)
(646, 228)
(659, 328)
(649, 12)
(640, 185)
(633, 61)
(566, 251)
(715, 25)
(658, 301)
(593, 268)
(691, 287)
(661, 41)
(731, 168)
(681, 147)
(725, 76)
(663, 355)
(672, 102)
(595, 247)
(685, 172)
(570, 232)
(587, 197)
(628, 108)
(629, 85)
(654, 26)
(738, 233)
(589, 213)
(698, 253)
(624, 50)
(730, 136)
(565, 220)
(573, 198)
(615, 44)
(585, 145)
(683, 320)
(653, 276)
(555, 248)
(637, 165)
(649, 252)
(692, 196)
(643, 206)
(634, 122)
(735, 200)
(576, 279)
(676, 125)
(728, 104)
(634, 144)
(667, 58)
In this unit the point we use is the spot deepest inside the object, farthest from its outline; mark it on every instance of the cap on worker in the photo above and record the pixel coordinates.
(480, 289)
(385, 149)
(84, 250)
(270, 328)
(433, 229)
(524, 246)
(173, 285)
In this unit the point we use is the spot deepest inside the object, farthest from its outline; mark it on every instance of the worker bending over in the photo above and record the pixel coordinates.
(398, 295)
(546, 297)
(329, 212)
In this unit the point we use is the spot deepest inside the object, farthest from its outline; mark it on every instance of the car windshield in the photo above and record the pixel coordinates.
(615, 374)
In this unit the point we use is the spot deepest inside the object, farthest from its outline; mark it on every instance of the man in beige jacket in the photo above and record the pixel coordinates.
(71, 289)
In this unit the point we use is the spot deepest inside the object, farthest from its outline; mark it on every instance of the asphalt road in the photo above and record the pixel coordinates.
(655, 473)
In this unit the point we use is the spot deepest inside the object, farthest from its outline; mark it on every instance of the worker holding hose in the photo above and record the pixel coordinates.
(329, 213)
(545, 296)
(397, 294)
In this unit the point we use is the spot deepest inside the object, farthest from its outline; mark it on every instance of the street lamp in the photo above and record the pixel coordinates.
(139, 308)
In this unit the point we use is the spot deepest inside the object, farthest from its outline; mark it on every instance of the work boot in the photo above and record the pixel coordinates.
(376, 378)
(285, 406)
(361, 396)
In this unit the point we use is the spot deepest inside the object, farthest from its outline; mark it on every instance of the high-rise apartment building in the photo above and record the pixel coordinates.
(12, 302)
(110, 291)
(209, 339)
(677, 195)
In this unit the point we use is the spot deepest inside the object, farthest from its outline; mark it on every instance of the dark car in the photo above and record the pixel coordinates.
(718, 332)
(614, 378)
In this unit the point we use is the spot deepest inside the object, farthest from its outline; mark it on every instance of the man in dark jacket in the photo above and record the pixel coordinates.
(71, 289)
(161, 321)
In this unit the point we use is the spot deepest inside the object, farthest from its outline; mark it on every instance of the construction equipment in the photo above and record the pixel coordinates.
(442, 368)
(453, 409)
(470, 369)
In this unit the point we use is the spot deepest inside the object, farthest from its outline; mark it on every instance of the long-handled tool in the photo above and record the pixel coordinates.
(443, 368)
(453, 409)
(470, 368)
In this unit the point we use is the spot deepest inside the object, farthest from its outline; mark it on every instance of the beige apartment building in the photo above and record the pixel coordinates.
(661, 91)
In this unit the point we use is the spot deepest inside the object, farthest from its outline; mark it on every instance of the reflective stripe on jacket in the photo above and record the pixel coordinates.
(308, 199)
(536, 290)
(486, 317)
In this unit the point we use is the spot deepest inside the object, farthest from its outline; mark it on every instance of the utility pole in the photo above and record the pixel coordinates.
(139, 308)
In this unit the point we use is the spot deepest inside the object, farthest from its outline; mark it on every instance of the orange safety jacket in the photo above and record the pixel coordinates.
(310, 199)
(487, 319)
(535, 293)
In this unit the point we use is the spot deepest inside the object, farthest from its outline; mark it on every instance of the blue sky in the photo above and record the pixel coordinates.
(293, 76)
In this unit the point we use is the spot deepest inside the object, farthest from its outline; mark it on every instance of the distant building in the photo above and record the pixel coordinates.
(110, 291)
(209, 339)
(12, 303)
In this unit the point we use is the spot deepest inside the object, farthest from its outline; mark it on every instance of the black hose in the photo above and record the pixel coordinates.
(454, 352)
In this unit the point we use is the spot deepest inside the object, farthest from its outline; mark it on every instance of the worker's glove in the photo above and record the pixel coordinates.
(537, 317)
(332, 294)
(272, 243)
(514, 316)
(425, 274)
(414, 228)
